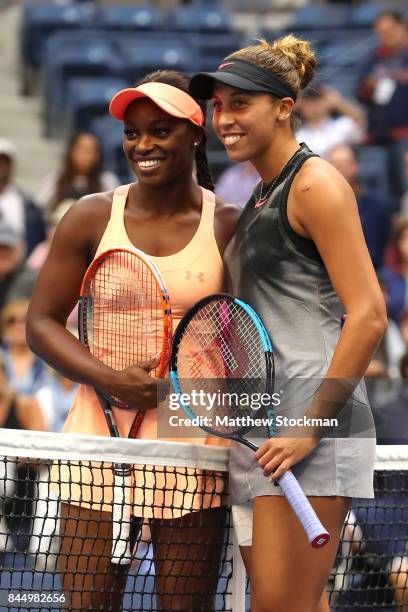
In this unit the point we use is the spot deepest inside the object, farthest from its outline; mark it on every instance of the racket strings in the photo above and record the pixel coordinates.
(222, 340)
(124, 312)
(221, 351)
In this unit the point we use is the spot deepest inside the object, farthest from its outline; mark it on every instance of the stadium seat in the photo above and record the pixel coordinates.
(210, 48)
(110, 132)
(142, 56)
(374, 166)
(199, 18)
(364, 14)
(127, 17)
(324, 16)
(88, 98)
(77, 58)
(336, 77)
(350, 52)
(38, 21)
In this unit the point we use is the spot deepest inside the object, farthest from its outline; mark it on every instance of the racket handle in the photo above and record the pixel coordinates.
(317, 535)
(121, 553)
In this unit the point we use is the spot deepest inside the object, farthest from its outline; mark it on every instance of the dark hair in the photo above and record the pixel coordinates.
(182, 81)
(396, 16)
(68, 172)
(404, 365)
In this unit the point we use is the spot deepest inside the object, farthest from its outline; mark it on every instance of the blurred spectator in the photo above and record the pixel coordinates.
(236, 184)
(38, 256)
(15, 208)
(320, 130)
(404, 199)
(384, 369)
(15, 279)
(392, 418)
(374, 211)
(18, 411)
(25, 371)
(383, 85)
(404, 328)
(81, 173)
(15, 413)
(396, 278)
(55, 400)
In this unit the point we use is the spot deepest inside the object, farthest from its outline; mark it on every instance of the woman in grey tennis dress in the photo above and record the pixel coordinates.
(299, 258)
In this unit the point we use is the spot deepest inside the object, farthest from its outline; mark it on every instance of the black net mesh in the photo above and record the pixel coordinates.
(56, 536)
(371, 569)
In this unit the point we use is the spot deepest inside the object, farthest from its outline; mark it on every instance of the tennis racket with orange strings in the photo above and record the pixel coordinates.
(124, 319)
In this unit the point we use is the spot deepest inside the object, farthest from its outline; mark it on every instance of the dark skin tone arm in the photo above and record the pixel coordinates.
(73, 248)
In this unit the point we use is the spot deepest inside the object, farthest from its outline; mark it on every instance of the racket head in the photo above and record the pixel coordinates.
(221, 342)
(124, 312)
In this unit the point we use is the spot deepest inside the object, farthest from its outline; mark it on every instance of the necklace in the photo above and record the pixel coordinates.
(264, 197)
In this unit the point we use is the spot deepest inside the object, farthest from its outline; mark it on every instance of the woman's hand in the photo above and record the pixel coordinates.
(277, 455)
(135, 387)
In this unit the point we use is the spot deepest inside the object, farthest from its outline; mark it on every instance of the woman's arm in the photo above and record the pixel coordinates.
(322, 207)
(55, 295)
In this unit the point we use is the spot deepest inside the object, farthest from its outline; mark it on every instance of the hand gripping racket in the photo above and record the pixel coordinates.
(124, 319)
(222, 338)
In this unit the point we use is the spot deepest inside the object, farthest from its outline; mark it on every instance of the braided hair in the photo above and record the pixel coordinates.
(182, 81)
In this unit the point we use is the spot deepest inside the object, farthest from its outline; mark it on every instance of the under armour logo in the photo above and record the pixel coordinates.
(189, 276)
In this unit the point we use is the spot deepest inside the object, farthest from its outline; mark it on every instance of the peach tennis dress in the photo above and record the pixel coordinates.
(190, 274)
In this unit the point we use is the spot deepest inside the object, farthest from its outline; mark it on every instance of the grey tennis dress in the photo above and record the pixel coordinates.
(282, 276)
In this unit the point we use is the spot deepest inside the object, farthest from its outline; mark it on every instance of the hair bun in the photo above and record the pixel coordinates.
(299, 53)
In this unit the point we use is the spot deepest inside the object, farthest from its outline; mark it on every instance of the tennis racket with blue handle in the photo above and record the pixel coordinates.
(221, 342)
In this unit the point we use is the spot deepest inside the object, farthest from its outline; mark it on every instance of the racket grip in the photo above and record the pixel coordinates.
(317, 535)
(121, 553)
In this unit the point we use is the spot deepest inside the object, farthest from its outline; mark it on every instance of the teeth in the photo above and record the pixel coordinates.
(149, 163)
(231, 139)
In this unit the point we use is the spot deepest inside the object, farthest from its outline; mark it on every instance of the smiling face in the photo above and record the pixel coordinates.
(159, 147)
(245, 122)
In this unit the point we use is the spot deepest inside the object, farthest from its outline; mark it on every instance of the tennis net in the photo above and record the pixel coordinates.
(56, 496)
(56, 499)
(371, 570)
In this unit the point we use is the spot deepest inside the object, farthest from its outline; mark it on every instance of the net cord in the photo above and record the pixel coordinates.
(46, 445)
